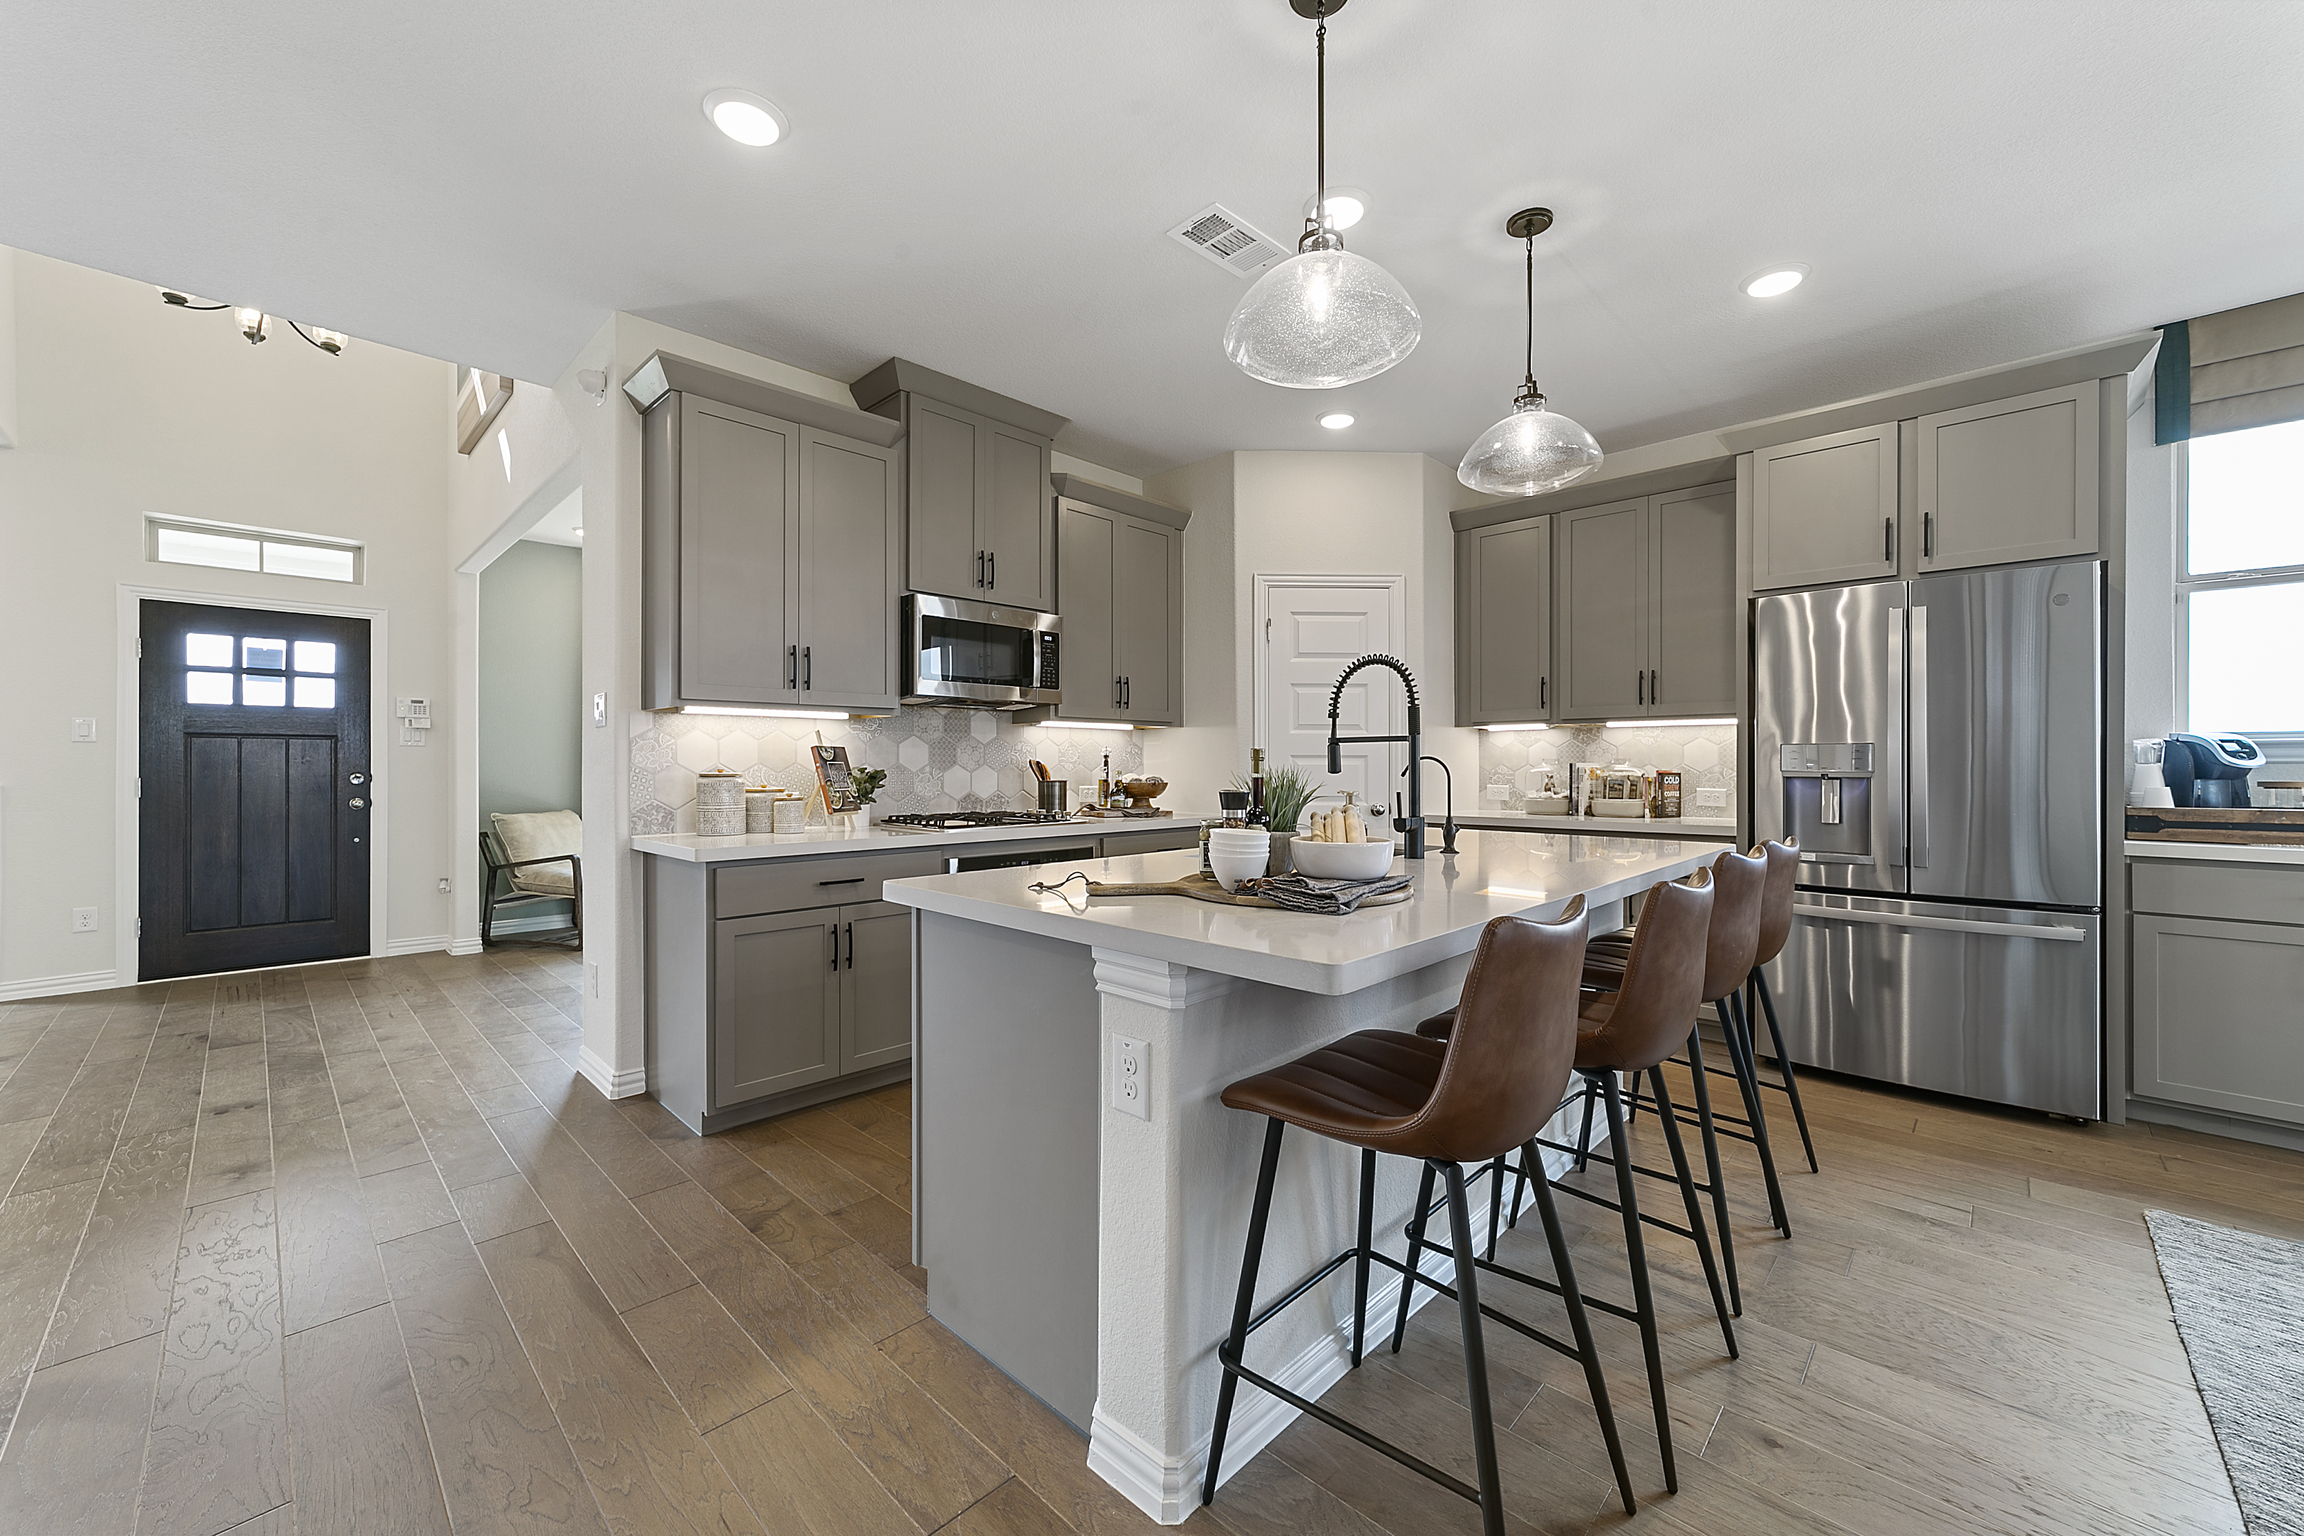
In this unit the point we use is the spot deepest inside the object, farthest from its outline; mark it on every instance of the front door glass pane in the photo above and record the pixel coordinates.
(315, 656)
(255, 688)
(208, 650)
(207, 687)
(315, 693)
(266, 655)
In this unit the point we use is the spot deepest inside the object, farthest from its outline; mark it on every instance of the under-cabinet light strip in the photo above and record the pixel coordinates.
(780, 714)
(1644, 725)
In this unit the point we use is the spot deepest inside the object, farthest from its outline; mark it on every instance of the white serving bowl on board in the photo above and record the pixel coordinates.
(1342, 861)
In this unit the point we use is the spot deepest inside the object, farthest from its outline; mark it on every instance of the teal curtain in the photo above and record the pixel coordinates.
(2172, 386)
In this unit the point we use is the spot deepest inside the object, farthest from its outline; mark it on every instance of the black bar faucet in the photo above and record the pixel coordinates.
(1448, 777)
(1412, 823)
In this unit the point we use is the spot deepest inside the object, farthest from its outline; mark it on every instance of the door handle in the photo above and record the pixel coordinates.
(2056, 931)
(359, 778)
(1127, 693)
(1927, 535)
(359, 805)
(992, 570)
(1655, 696)
(833, 933)
(1640, 686)
(1544, 693)
(1896, 737)
(1919, 747)
(979, 568)
(792, 666)
(1115, 690)
(807, 666)
(1888, 540)
(851, 945)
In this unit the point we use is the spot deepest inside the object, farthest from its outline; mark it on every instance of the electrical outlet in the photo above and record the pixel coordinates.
(1131, 1077)
(1712, 799)
(83, 919)
(443, 885)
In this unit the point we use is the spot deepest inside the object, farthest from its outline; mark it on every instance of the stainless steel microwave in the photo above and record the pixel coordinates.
(973, 655)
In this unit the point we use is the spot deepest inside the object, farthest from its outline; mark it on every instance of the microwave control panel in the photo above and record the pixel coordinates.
(1048, 672)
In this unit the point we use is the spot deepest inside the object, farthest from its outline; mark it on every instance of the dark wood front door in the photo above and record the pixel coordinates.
(255, 788)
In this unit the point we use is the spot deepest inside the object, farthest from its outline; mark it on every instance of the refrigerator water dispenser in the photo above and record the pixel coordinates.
(1828, 799)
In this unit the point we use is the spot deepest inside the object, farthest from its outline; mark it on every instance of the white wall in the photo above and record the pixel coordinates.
(1279, 513)
(7, 347)
(128, 406)
(531, 654)
(2151, 626)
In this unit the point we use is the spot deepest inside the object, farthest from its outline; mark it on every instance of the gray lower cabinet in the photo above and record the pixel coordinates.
(875, 986)
(2216, 1019)
(769, 566)
(776, 994)
(1824, 509)
(1504, 623)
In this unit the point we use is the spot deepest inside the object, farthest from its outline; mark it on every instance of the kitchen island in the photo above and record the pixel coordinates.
(1090, 1250)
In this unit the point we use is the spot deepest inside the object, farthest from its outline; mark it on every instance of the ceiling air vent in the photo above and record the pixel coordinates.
(1228, 240)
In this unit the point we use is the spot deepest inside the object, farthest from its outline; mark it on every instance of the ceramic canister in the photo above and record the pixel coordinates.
(760, 809)
(719, 804)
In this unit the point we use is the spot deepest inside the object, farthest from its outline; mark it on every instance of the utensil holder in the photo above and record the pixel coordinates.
(1053, 794)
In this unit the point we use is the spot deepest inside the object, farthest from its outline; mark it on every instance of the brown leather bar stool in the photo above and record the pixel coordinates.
(1631, 1030)
(1468, 1100)
(1739, 882)
(1776, 927)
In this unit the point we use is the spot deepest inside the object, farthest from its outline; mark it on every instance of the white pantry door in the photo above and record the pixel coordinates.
(1310, 628)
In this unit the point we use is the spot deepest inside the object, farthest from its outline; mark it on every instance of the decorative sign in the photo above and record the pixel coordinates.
(833, 778)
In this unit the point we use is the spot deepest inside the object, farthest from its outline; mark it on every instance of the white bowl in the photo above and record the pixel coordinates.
(1233, 837)
(1230, 866)
(1342, 861)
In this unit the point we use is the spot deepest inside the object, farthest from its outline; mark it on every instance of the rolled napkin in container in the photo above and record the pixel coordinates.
(1301, 893)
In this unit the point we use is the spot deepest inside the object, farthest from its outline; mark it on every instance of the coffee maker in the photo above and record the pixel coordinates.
(2210, 771)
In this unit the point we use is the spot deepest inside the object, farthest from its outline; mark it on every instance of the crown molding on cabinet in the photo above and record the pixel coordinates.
(900, 375)
(1598, 491)
(1112, 499)
(665, 373)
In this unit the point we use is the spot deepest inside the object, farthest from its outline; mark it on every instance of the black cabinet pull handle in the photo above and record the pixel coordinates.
(1117, 680)
(1640, 686)
(1655, 694)
(1127, 693)
(1888, 540)
(834, 933)
(808, 666)
(979, 568)
(1928, 535)
(992, 569)
(1544, 693)
(851, 880)
(792, 666)
(851, 946)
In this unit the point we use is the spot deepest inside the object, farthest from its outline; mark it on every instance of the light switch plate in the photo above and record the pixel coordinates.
(599, 710)
(1131, 1077)
(83, 728)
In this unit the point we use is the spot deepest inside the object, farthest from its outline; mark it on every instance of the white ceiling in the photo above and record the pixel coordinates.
(984, 187)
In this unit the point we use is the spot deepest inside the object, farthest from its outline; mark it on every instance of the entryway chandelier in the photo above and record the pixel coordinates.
(1323, 318)
(1533, 450)
(257, 325)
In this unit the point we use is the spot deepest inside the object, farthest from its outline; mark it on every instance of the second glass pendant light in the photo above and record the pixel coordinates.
(1323, 318)
(1534, 449)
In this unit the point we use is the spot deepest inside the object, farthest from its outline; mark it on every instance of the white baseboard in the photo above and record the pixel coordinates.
(612, 1084)
(463, 946)
(56, 986)
(427, 944)
(1169, 1490)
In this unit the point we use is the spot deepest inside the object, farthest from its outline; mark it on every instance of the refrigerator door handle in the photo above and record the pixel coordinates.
(1894, 850)
(1918, 754)
(2055, 931)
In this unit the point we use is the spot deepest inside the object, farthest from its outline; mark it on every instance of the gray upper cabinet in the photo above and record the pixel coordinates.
(1647, 605)
(1824, 510)
(1504, 623)
(1120, 592)
(769, 550)
(979, 519)
(1692, 543)
(2010, 480)
(1604, 589)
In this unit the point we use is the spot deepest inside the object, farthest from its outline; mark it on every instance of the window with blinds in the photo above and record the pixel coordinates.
(2240, 583)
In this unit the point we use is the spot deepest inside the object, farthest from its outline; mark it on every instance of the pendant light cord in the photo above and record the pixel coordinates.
(1320, 174)
(1531, 359)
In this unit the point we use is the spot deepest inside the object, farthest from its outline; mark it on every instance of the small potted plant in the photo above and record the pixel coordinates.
(867, 782)
(1286, 793)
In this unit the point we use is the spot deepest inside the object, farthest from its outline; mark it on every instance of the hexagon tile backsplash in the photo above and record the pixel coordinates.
(937, 759)
(1706, 756)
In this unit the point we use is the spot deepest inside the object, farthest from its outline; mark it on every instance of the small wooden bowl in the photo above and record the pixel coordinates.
(1142, 792)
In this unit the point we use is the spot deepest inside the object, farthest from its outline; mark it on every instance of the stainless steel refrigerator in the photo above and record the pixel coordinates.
(1937, 748)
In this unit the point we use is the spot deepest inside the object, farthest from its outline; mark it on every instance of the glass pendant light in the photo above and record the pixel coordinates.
(1323, 318)
(1533, 450)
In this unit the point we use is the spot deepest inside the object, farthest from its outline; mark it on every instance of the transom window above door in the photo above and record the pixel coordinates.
(255, 671)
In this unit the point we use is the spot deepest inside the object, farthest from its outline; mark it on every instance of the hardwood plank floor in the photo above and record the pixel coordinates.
(353, 1248)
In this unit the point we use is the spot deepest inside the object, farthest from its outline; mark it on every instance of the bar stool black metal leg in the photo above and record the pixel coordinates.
(1784, 1065)
(1670, 1115)
(1245, 1303)
(1584, 1137)
(1415, 1254)
(1712, 1172)
(1360, 1265)
(1495, 1205)
(1533, 1159)
(1475, 1357)
(1636, 1251)
(1731, 1012)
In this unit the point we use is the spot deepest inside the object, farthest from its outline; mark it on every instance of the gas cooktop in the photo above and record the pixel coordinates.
(947, 821)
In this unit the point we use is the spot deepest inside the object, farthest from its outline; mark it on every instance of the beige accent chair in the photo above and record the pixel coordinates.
(533, 857)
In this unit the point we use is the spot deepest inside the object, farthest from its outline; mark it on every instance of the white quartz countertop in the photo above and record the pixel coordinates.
(1497, 874)
(692, 849)
(2225, 853)
(1707, 828)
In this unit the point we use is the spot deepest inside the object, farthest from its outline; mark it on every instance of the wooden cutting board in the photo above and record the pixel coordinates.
(1203, 887)
(2214, 824)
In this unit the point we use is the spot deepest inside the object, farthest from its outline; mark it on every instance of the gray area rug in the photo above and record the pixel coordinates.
(2239, 1303)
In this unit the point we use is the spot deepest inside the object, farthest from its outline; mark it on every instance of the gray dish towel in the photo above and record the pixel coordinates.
(1302, 893)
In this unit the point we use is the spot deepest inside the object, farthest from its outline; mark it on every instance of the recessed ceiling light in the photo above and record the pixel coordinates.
(1346, 206)
(1336, 421)
(746, 118)
(1773, 281)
